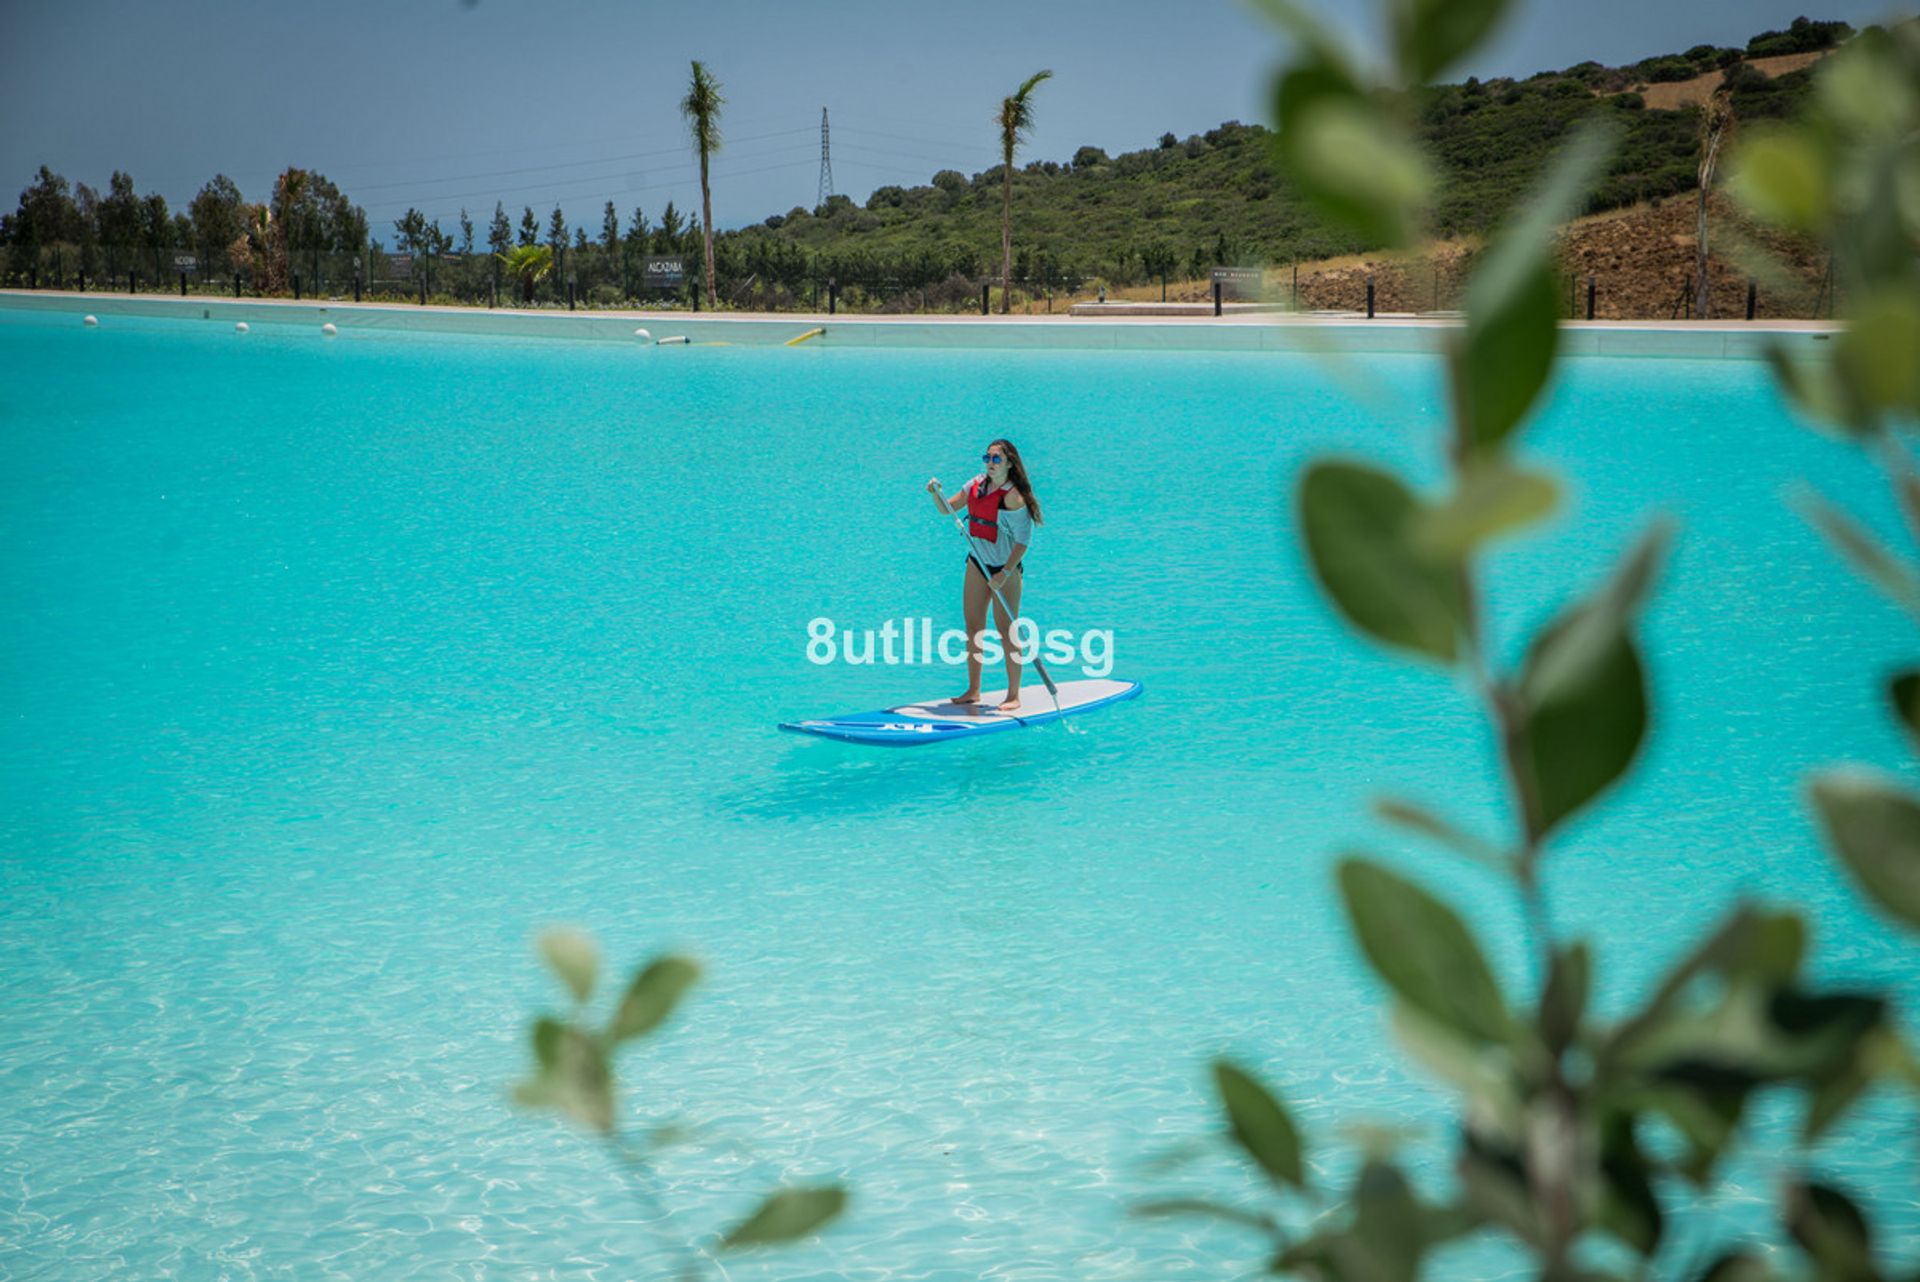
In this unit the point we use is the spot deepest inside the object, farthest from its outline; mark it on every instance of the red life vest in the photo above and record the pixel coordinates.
(983, 510)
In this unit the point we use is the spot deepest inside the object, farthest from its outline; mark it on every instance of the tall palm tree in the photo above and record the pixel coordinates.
(1016, 119)
(701, 107)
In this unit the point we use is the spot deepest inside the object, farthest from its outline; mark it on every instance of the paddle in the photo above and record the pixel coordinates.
(959, 523)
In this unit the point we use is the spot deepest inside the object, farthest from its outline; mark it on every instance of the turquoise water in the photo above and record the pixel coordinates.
(337, 669)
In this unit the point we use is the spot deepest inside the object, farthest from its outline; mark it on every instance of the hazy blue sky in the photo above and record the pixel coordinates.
(441, 104)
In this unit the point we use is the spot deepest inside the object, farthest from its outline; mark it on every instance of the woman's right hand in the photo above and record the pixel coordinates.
(933, 487)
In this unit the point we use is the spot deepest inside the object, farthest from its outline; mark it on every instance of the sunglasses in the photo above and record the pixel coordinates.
(993, 458)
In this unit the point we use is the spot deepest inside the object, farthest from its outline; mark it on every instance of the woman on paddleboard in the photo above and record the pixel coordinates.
(1001, 514)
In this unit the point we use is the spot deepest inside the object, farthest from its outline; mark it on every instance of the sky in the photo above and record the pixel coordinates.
(444, 104)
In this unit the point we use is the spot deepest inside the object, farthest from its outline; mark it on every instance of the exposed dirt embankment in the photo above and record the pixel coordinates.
(1642, 262)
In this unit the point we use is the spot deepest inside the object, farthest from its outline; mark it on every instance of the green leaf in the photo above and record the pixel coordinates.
(1506, 353)
(547, 1032)
(1738, 1266)
(1210, 1210)
(651, 997)
(574, 957)
(1506, 356)
(1259, 1124)
(1583, 733)
(1307, 29)
(1417, 818)
(1494, 1184)
(1350, 159)
(1466, 1065)
(1704, 1099)
(1423, 951)
(1490, 498)
(1563, 998)
(1817, 391)
(1868, 556)
(1903, 691)
(1832, 1230)
(1435, 34)
(1629, 1207)
(1863, 88)
(1781, 177)
(1386, 1242)
(1878, 354)
(1748, 947)
(787, 1215)
(574, 1077)
(1876, 829)
(1358, 525)
(1594, 625)
(1583, 694)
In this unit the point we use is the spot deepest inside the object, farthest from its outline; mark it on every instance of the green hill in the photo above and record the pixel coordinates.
(1217, 198)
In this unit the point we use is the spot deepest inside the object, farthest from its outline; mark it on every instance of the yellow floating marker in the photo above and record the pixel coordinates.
(812, 333)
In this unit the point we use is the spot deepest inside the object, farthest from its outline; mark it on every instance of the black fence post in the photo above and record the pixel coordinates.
(571, 285)
(1753, 296)
(83, 280)
(1216, 298)
(296, 287)
(133, 282)
(183, 284)
(423, 289)
(1589, 298)
(356, 282)
(833, 296)
(33, 276)
(1369, 298)
(493, 294)
(985, 289)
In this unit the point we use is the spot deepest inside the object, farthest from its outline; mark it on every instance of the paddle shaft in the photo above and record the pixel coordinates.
(960, 524)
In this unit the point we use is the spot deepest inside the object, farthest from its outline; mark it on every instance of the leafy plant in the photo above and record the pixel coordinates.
(529, 265)
(1574, 1129)
(573, 1075)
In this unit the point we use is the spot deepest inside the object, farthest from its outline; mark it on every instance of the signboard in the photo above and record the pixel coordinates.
(1238, 282)
(664, 273)
(400, 265)
(185, 262)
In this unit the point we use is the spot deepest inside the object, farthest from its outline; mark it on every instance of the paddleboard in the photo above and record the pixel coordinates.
(912, 724)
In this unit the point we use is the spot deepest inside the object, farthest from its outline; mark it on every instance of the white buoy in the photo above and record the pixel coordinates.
(90, 321)
(642, 335)
(239, 327)
(673, 338)
(329, 329)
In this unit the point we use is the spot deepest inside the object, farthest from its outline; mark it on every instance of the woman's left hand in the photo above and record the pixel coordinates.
(998, 581)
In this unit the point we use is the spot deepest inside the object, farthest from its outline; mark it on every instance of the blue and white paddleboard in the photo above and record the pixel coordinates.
(939, 721)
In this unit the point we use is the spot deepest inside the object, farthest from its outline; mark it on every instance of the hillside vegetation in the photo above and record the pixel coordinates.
(1177, 208)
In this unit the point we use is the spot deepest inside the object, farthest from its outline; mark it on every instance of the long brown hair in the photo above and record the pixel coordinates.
(1017, 475)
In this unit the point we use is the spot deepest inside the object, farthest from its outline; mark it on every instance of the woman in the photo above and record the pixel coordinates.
(1001, 514)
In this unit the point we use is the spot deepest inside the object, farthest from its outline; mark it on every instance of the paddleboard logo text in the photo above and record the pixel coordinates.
(912, 642)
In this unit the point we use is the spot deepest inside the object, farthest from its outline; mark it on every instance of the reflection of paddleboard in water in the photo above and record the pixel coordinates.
(940, 720)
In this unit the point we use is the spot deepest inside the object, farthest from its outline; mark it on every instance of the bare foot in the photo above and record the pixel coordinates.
(1010, 704)
(971, 696)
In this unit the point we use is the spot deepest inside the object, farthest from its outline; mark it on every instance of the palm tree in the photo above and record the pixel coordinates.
(701, 107)
(1016, 118)
(528, 264)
